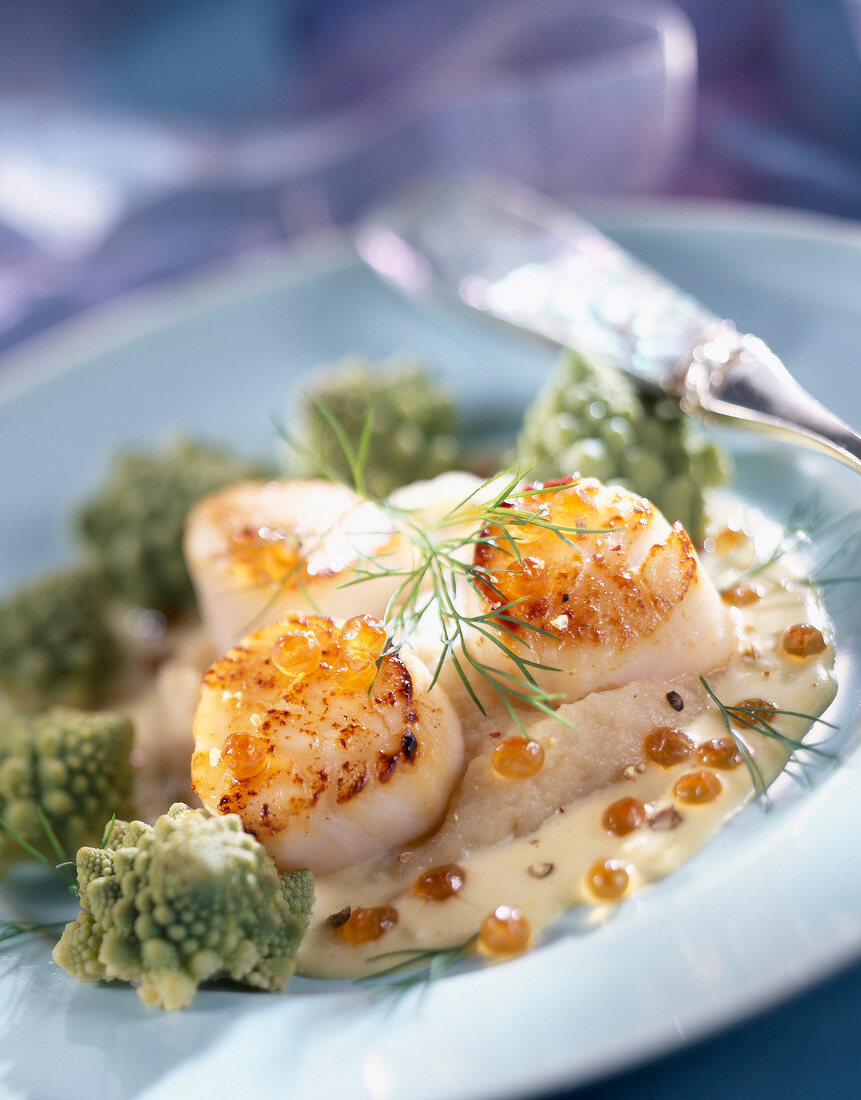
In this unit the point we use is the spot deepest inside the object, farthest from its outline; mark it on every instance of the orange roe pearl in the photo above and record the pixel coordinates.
(363, 634)
(504, 932)
(758, 708)
(667, 746)
(525, 533)
(730, 538)
(720, 752)
(624, 816)
(440, 883)
(696, 788)
(258, 557)
(518, 758)
(362, 639)
(357, 672)
(297, 654)
(803, 640)
(569, 509)
(740, 596)
(244, 755)
(607, 879)
(364, 925)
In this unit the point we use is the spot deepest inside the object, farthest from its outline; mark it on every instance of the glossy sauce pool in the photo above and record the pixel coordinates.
(658, 810)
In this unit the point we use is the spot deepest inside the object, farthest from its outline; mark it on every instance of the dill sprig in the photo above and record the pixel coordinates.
(109, 831)
(64, 869)
(442, 569)
(810, 521)
(424, 965)
(759, 720)
(12, 930)
(847, 550)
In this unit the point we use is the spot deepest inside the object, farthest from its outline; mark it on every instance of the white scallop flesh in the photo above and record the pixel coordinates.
(259, 549)
(430, 502)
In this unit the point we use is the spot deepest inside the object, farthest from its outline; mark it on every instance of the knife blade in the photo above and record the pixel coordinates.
(520, 258)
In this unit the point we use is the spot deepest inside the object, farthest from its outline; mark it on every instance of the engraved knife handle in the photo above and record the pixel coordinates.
(738, 379)
(514, 255)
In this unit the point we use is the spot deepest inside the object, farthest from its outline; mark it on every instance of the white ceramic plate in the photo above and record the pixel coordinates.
(771, 904)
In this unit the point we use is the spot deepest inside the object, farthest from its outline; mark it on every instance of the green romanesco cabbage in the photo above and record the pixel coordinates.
(134, 526)
(74, 766)
(56, 645)
(188, 899)
(589, 419)
(413, 423)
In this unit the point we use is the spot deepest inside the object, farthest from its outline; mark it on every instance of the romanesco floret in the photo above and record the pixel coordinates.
(191, 898)
(134, 527)
(56, 645)
(413, 422)
(73, 765)
(589, 419)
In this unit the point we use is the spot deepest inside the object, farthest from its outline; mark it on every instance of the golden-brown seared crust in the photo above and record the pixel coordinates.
(583, 587)
(320, 738)
(329, 748)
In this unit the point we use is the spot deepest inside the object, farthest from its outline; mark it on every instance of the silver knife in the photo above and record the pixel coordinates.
(519, 257)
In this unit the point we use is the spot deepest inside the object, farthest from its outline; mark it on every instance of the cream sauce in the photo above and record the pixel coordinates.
(513, 872)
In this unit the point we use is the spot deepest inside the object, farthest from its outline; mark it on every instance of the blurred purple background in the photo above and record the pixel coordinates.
(142, 139)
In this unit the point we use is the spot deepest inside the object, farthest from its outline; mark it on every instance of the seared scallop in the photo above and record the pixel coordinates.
(329, 752)
(592, 586)
(259, 549)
